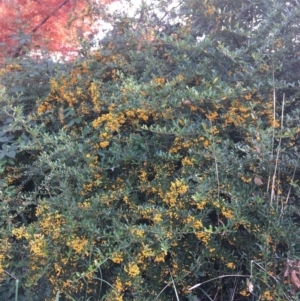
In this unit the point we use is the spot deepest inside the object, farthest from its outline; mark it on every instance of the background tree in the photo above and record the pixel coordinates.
(57, 25)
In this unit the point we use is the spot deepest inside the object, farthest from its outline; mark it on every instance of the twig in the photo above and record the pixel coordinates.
(219, 277)
(290, 188)
(174, 286)
(204, 292)
(216, 161)
(277, 153)
(168, 284)
(9, 274)
(17, 284)
(274, 123)
(254, 261)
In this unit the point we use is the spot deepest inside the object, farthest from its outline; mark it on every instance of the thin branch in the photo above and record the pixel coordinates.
(177, 298)
(168, 284)
(277, 153)
(219, 277)
(10, 275)
(290, 188)
(274, 123)
(36, 28)
(49, 16)
(216, 161)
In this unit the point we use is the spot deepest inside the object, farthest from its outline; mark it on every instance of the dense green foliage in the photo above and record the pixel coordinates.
(165, 158)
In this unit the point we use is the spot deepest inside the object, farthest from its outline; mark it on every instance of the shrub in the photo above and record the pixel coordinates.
(146, 170)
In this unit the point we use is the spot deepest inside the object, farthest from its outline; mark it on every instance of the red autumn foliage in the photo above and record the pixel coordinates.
(53, 25)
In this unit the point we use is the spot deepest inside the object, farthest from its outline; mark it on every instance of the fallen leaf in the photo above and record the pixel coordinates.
(187, 103)
(258, 181)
